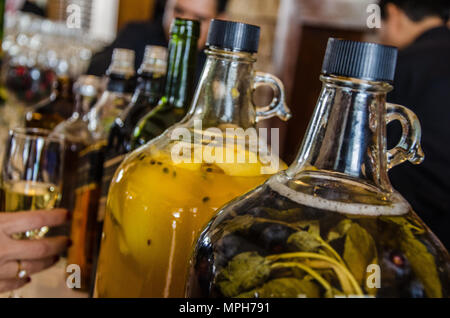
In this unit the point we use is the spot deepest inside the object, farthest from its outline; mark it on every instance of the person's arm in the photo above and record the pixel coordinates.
(28, 256)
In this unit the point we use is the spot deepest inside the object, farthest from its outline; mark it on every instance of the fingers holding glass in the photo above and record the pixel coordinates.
(32, 174)
(12, 223)
(23, 269)
(36, 249)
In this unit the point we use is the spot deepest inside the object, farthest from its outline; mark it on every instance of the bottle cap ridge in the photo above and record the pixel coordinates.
(362, 60)
(234, 36)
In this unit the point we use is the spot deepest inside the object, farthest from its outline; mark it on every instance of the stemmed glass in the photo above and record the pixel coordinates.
(31, 176)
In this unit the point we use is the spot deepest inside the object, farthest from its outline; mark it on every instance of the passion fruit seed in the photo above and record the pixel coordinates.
(398, 260)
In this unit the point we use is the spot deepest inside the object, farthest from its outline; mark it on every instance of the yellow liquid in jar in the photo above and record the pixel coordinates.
(29, 196)
(155, 211)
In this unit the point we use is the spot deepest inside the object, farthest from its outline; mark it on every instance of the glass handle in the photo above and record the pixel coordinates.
(409, 148)
(278, 105)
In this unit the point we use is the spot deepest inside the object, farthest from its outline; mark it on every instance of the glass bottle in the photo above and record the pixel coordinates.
(179, 86)
(86, 222)
(55, 109)
(331, 225)
(157, 204)
(120, 86)
(146, 96)
(77, 135)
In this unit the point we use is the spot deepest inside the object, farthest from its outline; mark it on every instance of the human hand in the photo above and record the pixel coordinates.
(20, 258)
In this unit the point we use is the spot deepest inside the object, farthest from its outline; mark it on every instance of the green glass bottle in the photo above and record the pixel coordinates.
(179, 88)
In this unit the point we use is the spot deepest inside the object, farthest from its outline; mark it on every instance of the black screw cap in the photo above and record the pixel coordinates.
(362, 60)
(234, 36)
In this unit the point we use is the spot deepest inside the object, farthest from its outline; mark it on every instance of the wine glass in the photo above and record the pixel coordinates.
(31, 176)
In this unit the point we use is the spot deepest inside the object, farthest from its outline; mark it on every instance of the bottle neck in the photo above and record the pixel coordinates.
(123, 84)
(347, 134)
(148, 89)
(224, 94)
(63, 88)
(82, 105)
(179, 86)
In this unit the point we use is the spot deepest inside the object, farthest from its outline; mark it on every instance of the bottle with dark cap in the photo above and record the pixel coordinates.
(89, 172)
(120, 86)
(331, 225)
(78, 139)
(77, 135)
(166, 191)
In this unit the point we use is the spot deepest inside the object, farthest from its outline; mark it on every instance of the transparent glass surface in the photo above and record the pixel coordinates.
(77, 135)
(157, 205)
(331, 225)
(32, 174)
(108, 108)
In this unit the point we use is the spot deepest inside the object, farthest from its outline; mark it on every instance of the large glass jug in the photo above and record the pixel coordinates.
(331, 225)
(157, 204)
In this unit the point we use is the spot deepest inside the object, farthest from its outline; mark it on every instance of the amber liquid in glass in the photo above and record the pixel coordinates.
(154, 216)
(29, 196)
(84, 230)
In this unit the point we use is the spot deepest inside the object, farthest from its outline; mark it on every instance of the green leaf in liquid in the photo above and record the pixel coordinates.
(359, 251)
(304, 241)
(244, 272)
(340, 230)
(422, 263)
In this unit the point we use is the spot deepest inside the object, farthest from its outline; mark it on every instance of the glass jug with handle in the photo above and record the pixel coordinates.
(166, 191)
(331, 225)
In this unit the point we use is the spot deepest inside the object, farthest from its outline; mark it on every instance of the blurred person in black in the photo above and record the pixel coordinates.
(137, 35)
(422, 83)
(31, 7)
